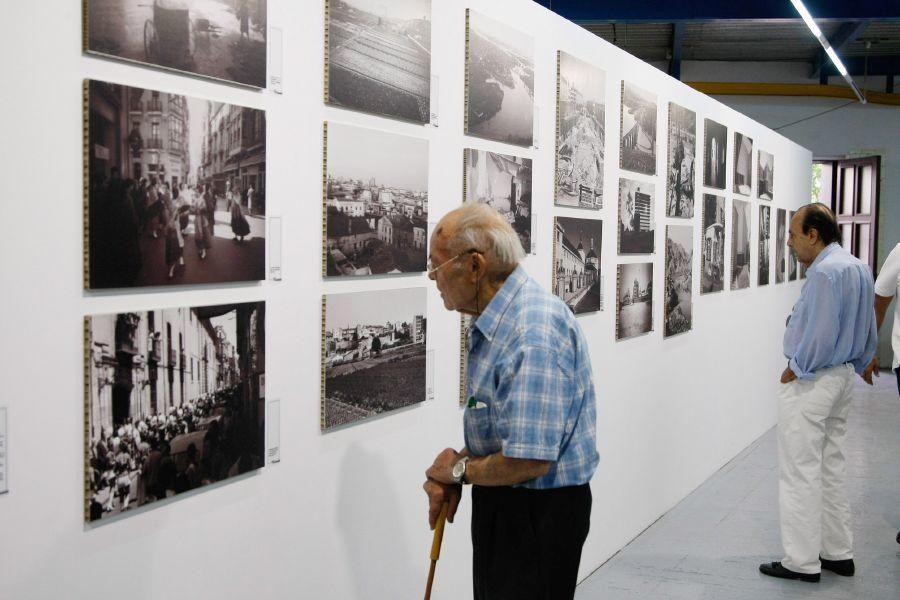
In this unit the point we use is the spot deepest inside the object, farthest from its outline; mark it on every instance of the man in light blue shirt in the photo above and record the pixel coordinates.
(530, 422)
(830, 336)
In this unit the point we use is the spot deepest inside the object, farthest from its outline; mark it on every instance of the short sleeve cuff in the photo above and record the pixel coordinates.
(799, 372)
(530, 451)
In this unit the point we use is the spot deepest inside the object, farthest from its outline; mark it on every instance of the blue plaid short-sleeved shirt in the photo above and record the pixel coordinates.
(530, 384)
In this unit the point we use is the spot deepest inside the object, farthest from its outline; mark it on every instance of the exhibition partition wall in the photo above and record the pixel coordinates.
(182, 422)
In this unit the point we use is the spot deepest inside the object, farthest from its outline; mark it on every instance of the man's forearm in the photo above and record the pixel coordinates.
(496, 469)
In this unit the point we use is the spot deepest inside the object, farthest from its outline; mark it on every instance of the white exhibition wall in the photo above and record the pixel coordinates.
(342, 515)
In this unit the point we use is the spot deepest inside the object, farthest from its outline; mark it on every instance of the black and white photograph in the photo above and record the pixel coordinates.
(499, 82)
(712, 263)
(682, 152)
(176, 189)
(379, 57)
(504, 182)
(175, 401)
(220, 39)
(465, 324)
(740, 244)
(376, 202)
(638, 144)
(637, 218)
(678, 307)
(780, 245)
(765, 239)
(374, 359)
(576, 257)
(634, 300)
(714, 153)
(765, 176)
(791, 257)
(743, 164)
(581, 133)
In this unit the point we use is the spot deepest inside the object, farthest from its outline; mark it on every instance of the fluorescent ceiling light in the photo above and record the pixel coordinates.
(808, 19)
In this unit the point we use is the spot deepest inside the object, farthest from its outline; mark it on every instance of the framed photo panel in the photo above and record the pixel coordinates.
(174, 402)
(712, 257)
(580, 133)
(378, 57)
(373, 354)
(216, 39)
(175, 189)
(576, 263)
(499, 81)
(375, 202)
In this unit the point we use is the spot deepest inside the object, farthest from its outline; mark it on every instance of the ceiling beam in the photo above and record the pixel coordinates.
(859, 66)
(677, 43)
(845, 34)
(669, 11)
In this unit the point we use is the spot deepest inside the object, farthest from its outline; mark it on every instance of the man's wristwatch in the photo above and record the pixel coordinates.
(459, 470)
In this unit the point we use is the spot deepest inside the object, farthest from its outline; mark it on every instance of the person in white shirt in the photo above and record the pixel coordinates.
(887, 286)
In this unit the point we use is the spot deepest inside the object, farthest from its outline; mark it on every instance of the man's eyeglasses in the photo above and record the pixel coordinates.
(432, 270)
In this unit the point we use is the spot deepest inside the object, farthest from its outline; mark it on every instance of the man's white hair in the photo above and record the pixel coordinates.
(478, 226)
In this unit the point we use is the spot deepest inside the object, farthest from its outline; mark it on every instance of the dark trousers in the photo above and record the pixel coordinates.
(526, 544)
(897, 372)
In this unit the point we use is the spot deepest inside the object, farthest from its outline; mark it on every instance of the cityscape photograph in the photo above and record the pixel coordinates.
(500, 82)
(175, 402)
(634, 298)
(581, 138)
(374, 354)
(376, 202)
(576, 257)
(176, 190)
(221, 39)
(379, 57)
(765, 170)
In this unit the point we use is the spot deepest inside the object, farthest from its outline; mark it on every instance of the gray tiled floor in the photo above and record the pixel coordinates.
(710, 545)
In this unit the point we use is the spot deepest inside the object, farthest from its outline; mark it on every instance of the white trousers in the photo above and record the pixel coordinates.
(812, 425)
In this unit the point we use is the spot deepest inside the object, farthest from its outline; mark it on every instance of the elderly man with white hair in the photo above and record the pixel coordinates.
(530, 420)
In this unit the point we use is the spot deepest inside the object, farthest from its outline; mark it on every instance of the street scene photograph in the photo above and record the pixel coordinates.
(376, 202)
(576, 273)
(175, 402)
(374, 354)
(221, 39)
(581, 134)
(714, 145)
(504, 182)
(638, 143)
(765, 170)
(765, 237)
(780, 244)
(678, 306)
(379, 57)
(740, 244)
(682, 152)
(637, 218)
(177, 189)
(634, 300)
(743, 167)
(500, 82)
(712, 258)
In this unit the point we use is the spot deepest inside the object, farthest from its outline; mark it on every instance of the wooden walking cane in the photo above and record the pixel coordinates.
(436, 547)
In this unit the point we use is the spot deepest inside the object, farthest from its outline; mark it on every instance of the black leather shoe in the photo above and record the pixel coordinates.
(775, 569)
(841, 567)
